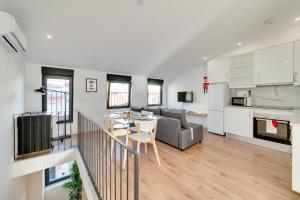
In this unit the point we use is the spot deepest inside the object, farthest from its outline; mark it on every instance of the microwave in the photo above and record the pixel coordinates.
(241, 101)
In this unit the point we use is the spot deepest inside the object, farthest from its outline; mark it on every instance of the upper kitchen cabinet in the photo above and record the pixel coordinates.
(217, 70)
(241, 71)
(297, 62)
(274, 66)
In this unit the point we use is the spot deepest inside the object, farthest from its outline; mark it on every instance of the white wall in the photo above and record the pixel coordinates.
(35, 186)
(19, 184)
(12, 101)
(56, 192)
(90, 103)
(33, 81)
(29, 187)
(191, 80)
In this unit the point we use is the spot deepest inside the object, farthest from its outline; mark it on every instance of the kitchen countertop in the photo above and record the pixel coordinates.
(194, 113)
(283, 108)
(295, 119)
(275, 107)
(242, 107)
(282, 113)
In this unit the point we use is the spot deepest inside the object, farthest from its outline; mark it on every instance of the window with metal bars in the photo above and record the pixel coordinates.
(118, 91)
(59, 96)
(155, 92)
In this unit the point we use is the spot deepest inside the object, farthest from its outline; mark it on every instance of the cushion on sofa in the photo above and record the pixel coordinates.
(136, 108)
(176, 114)
(154, 110)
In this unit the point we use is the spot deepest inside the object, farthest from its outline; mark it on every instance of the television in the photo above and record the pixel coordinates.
(186, 97)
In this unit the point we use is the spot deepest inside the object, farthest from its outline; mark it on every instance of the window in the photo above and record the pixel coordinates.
(56, 101)
(118, 89)
(118, 95)
(57, 173)
(59, 85)
(155, 92)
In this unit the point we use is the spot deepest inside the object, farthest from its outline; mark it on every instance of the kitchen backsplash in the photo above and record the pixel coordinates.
(283, 96)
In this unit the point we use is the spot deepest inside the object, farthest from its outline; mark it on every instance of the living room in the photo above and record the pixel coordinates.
(218, 79)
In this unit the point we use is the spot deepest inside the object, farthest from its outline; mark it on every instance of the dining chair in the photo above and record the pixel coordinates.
(146, 132)
(117, 131)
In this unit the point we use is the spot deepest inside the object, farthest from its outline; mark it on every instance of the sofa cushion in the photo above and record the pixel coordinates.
(154, 110)
(176, 114)
(136, 108)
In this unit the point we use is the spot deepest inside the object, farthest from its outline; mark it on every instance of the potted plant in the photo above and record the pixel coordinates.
(75, 184)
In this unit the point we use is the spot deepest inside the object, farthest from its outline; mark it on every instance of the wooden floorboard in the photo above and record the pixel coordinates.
(216, 169)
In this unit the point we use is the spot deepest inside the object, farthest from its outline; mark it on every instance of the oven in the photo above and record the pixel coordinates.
(272, 125)
(272, 130)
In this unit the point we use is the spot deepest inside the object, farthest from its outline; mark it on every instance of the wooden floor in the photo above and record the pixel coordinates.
(216, 169)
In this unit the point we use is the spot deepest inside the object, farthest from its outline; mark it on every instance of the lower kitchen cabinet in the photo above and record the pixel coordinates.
(296, 158)
(215, 122)
(238, 121)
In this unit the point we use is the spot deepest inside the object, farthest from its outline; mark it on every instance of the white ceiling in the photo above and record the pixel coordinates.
(160, 38)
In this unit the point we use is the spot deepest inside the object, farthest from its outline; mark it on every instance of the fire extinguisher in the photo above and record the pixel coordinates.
(205, 85)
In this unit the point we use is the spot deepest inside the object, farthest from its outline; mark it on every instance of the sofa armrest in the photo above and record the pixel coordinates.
(198, 131)
(188, 138)
(167, 130)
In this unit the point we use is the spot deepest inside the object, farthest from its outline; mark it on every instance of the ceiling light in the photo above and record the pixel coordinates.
(204, 58)
(239, 44)
(297, 19)
(140, 2)
(269, 21)
(49, 37)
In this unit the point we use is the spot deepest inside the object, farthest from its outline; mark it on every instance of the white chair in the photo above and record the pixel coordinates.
(116, 130)
(146, 132)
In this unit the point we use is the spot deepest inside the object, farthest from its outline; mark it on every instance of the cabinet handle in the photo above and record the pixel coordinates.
(295, 77)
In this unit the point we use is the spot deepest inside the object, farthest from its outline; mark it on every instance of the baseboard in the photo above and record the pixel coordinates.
(267, 144)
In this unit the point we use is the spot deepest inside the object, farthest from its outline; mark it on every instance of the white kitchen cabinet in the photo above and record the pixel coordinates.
(217, 70)
(297, 62)
(241, 71)
(274, 66)
(215, 122)
(238, 121)
(296, 157)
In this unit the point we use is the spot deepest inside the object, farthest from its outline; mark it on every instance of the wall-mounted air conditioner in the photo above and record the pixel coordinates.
(11, 35)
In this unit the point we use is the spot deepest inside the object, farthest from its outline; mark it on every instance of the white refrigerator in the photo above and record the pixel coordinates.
(218, 97)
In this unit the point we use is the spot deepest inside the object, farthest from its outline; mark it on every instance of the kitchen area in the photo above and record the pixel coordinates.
(255, 98)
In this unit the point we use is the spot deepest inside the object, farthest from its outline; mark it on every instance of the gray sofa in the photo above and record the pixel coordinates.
(173, 129)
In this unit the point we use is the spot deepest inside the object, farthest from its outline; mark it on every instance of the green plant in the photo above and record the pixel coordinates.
(75, 184)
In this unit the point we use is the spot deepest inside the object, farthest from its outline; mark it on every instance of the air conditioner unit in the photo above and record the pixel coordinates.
(11, 35)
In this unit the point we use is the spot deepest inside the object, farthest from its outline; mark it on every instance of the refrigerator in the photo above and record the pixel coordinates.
(218, 97)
